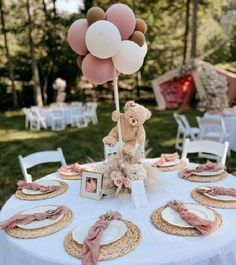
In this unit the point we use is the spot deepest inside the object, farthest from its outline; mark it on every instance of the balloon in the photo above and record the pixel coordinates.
(138, 37)
(144, 49)
(103, 39)
(76, 36)
(123, 17)
(141, 25)
(94, 14)
(79, 61)
(97, 71)
(129, 58)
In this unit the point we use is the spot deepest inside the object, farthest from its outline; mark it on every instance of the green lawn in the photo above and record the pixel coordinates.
(79, 145)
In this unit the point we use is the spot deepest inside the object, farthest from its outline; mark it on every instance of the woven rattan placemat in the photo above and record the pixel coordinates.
(110, 251)
(205, 179)
(63, 188)
(164, 226)
(179, 166)
(70, 177)
(204, 199)
(44, 231)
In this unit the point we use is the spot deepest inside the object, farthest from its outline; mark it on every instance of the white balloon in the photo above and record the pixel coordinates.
(144, 49)
(103, 39)
(129, 58)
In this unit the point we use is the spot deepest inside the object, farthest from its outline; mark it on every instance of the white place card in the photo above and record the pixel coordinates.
(139, 196)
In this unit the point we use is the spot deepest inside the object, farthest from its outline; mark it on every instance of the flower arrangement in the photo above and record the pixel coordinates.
(118, 174)
(215, 86)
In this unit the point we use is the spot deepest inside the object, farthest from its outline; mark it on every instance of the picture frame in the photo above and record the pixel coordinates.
(91, 184)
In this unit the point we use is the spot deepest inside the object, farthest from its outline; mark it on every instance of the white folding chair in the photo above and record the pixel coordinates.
(39, 158)
(26, 111)
(78, 117)
(184, 130)
(212, 128)
(111, 150)
(217, 150)
(91, 112)
(57, 120)
(38, 118)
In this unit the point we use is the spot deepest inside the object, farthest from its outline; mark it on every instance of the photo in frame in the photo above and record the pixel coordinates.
(91, 185)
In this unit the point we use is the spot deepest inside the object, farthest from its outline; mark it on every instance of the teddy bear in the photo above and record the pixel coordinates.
(132, 129)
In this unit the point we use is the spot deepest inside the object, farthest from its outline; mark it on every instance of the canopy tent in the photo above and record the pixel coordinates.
(215, 87)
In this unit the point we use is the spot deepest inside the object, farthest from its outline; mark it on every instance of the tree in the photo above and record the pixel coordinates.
(194, 29)
(10, 65)
(34, 64)
(187, 14)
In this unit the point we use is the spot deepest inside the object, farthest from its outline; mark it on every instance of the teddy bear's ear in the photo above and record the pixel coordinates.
(149, 114)
(128, 104)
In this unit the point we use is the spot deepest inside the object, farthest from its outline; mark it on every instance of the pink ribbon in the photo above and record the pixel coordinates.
(208, 167)
(35, 186)
(91, 245)
(120, 180)
(73, 168)
(23, 219)
(214, 191)
(166, 158)
(205, 227)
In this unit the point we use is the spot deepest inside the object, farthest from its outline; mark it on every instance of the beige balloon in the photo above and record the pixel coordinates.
(141, 25)
(138, 37)
(95, 14)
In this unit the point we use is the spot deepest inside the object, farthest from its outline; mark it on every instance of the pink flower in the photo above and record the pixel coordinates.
(127, 183)
(116, 175)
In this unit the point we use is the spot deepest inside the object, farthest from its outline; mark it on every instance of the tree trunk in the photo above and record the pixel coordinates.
(35, 71)
(9, 60)
(186, 32)
(54, 8)
(194, 29)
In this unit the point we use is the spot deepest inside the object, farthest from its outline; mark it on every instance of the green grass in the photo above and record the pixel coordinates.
(79, 145)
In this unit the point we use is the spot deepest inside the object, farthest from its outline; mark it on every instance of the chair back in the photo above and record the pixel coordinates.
(206, 146)
(40, 158)
(182, 122)
(211, 124)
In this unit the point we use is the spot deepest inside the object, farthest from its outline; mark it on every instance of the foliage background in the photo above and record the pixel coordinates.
(166, 26)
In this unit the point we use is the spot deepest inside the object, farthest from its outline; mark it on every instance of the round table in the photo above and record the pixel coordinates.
(155, 247)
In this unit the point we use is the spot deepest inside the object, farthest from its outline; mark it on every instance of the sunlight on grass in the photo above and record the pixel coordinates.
(9, 135)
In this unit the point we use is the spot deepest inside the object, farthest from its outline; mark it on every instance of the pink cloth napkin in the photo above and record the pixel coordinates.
(215, 190)
(91, 243)
(208, 167)
(166, 158)
(23, 219)
(73, 168)
(205, 227)
(35, 186)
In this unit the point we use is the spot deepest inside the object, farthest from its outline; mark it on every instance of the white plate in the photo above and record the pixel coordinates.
(207, 173)
(43, 223)
(220, 197)
(173, 217)
(42, 182)
(114, 231)
(170, 163)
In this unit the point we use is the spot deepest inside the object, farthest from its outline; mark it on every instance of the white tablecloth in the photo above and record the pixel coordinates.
(66, 113)
(155, 248)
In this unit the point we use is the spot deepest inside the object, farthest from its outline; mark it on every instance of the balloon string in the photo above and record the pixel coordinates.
(116, 94)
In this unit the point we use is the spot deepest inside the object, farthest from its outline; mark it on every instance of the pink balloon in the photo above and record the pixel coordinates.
(123, 17)
(76, 36)
(97, 71)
